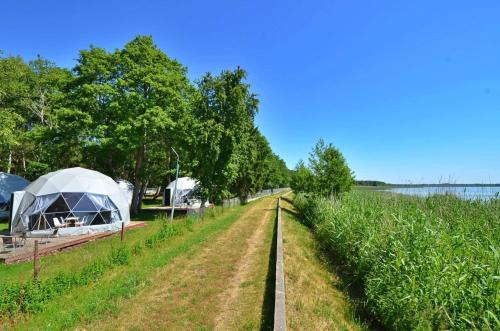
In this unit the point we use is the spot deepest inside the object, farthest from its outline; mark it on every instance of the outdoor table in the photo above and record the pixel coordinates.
(73, 221)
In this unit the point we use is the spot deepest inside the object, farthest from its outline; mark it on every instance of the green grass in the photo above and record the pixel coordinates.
(120, 274)
(423, 263)
(152, 202)
(314, 296)
(75, 260)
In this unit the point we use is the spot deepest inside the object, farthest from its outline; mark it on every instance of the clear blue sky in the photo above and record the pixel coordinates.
(408, 90)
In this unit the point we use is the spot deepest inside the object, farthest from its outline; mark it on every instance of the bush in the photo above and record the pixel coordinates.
(425, 263)
(120, 256)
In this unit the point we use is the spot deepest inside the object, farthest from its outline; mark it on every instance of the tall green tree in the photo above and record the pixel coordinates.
(224, 110)
(302, 178)
(136, 97)
(15, 98)
(331, 172)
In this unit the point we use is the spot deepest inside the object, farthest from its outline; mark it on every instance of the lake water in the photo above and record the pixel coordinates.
(465, 192)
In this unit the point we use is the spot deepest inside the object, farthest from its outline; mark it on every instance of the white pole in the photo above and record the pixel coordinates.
(175, 186)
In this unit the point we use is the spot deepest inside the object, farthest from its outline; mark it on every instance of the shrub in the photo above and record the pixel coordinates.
(120, 256)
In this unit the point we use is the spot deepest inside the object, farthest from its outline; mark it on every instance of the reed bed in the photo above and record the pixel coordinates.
(423, 263)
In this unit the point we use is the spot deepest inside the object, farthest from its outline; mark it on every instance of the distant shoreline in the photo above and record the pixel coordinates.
(387, 185)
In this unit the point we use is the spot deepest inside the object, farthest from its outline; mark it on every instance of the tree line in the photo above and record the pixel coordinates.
(120, 113)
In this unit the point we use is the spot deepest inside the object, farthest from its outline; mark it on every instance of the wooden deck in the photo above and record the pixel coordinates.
(167, 209)
(47, 246)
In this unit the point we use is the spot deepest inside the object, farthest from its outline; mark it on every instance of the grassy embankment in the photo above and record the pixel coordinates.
(222, 285)
(422, 263)
(83, 284)
(315, 298)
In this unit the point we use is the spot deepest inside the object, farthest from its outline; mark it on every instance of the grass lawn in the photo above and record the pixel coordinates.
(75, 260)
(82, 304)
(220, 283)
(152, 202)
(315, 299)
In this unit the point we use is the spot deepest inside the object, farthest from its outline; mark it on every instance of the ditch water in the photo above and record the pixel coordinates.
(464, 192)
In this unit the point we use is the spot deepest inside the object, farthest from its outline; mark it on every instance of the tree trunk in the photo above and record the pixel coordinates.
(202, 207)
(9, 166)
(157, 193)
(144, 187)
(137, 197)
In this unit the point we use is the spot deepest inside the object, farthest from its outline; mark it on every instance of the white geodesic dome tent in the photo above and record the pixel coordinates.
(93, 202)
(8, 184)
(127, 189)
(186, 194)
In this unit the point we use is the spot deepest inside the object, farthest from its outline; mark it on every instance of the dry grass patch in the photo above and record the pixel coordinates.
(313, 298)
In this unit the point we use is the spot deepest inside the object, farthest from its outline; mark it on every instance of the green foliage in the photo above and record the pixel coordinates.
(326, 175)
(120, 256)
(331, 173)
(120, 113)
(302, 178)
(232, 156)
(424, 263)
(167, 231)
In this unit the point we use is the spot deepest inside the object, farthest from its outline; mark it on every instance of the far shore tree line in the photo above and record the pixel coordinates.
(120, 113)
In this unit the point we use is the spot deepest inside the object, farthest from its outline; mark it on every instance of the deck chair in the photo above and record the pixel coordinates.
(58, 224)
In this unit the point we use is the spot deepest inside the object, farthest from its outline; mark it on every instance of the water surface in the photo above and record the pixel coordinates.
(465, 192)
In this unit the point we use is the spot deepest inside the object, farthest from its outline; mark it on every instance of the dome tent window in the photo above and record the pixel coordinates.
(89, 209)
(86, 200)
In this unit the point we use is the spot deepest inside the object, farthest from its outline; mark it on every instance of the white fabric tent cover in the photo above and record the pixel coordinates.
(85, 196)
(8, 184)
(127, 189)
(186, 192)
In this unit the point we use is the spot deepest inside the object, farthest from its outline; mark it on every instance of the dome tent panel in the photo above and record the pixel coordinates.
(88, 197)
(72, 198)
(187, 191)
(127, 189)
(41, 203)
(85, 217)
(99, 219)
(59, 205)
(8, 184)
(101, 202)
(85, 204)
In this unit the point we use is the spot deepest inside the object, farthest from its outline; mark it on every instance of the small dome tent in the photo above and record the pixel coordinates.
(9, 183)
(186, 194)
(88, 200)
(127, 189)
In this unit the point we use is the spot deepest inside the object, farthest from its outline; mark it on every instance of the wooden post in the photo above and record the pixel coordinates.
(123, 229)
(35, 261)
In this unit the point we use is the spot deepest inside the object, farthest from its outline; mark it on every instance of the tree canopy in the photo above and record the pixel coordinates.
(121, 112)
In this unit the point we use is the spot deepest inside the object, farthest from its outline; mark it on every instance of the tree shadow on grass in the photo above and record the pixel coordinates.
(267, 312)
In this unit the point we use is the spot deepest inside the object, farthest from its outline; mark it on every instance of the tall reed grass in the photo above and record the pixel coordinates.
(424, 263)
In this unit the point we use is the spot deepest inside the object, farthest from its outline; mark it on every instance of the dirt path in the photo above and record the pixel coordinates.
(244, 268)
(221, 285)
